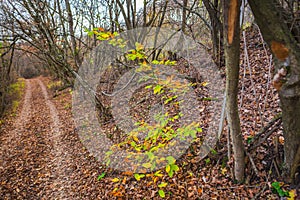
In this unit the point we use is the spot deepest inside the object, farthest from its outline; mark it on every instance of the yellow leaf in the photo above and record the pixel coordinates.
(204, 84)
(224, 171)
(168, 168)
(115, 180)
(135, 138)
(292, 195)
(158, 174)
(139, 46)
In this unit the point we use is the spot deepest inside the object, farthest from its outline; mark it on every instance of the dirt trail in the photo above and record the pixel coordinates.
(59, 152)
(33, 146)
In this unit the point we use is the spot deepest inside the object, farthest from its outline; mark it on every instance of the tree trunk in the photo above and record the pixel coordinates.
(216, 28)
(184, 16)
(232, 57)
(286, 50)
(72, 34)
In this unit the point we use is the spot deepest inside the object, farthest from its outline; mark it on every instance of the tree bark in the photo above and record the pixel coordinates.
(232, 56)
(286, 50)
(184, 16)
(216, 27)
(72, 34)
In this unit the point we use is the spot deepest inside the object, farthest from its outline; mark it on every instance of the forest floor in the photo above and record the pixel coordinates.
(41, 156)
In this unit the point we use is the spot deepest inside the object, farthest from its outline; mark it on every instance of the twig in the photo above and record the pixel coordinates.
(263, 189)
(258, 194)
(229, 148)
(252, 163)
(265, 128)
(276, 121)
(234, 187)
(196, 13)
(222, 120)
(276, 167)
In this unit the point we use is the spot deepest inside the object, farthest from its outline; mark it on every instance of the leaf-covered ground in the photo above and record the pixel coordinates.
(41, 156)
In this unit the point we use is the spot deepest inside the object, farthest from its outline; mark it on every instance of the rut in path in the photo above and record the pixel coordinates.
(36, 135)
(60, 153)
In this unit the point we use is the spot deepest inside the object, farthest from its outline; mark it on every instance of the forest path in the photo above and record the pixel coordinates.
(36, 161)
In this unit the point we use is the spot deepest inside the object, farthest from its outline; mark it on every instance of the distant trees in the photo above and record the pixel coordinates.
(7, 45)
(56, 29)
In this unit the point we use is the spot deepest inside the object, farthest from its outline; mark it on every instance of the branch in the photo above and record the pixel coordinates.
(258, 136)
(194, 12)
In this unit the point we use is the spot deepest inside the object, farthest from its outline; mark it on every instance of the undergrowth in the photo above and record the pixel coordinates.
(14, 95)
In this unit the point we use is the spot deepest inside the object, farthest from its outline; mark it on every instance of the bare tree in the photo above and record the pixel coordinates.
(231, 13)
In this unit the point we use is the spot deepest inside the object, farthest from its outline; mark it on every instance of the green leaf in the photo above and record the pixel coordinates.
(155, 62)
(157, 89)
(175, 167)
(148, 87)
(101, 176)
(139, 176)
(213, 151)
(161, 193)
(150, 155)
(207, 160)
(131, 56)
(107, 162)
(171, 173)
(209, 99)
(162, 184)
(133, 144)
(199, 130)
(171, 159)
(276, 185)
(249, 139)
(193, 134)
(139, 55)
(170, 63)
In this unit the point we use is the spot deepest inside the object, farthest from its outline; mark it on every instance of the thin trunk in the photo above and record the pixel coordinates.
(72, 34)
(184, 16)
(216, 27)
(232, 57)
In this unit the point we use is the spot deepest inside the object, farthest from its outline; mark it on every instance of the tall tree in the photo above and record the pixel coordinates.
(212, 7)
(282, 35)
(231, 13)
